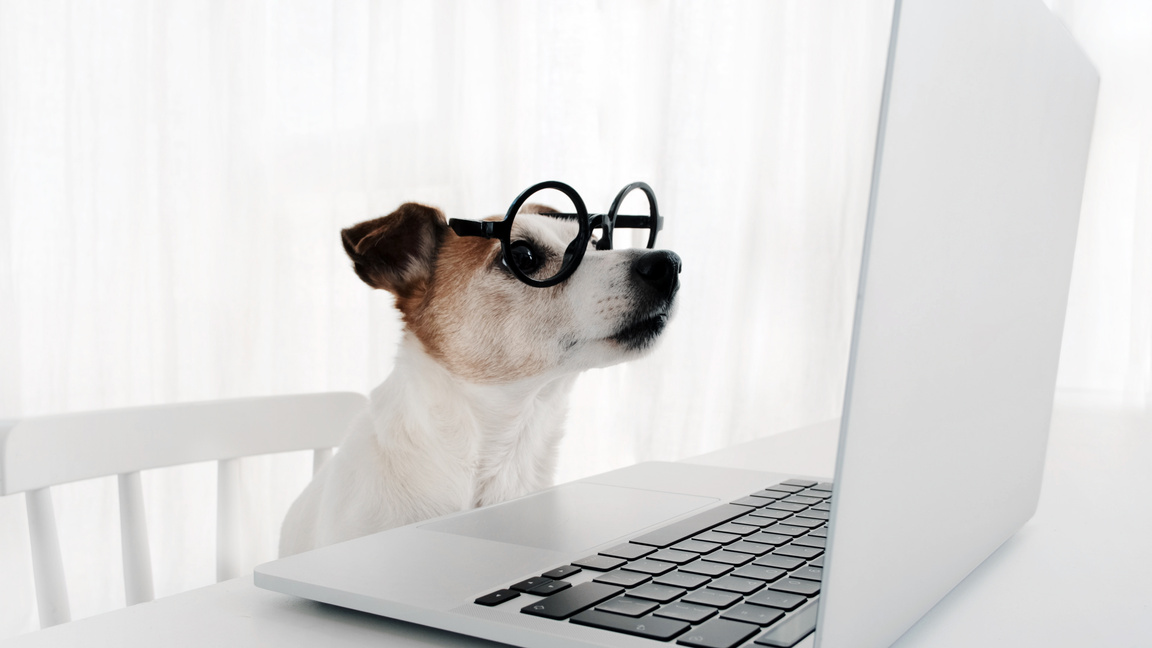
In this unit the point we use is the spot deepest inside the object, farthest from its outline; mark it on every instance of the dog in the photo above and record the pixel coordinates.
(472, 414)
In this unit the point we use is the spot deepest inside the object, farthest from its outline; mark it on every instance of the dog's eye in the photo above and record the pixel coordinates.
(525, 257)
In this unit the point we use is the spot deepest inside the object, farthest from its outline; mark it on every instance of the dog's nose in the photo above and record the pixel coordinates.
(659, 269)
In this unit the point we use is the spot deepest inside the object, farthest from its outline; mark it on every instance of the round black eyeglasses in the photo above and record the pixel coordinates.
(525, 260)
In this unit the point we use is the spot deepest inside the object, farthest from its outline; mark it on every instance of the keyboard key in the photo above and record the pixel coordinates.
(800, 499)
(736, 584)
(561, 572)
(808, 541)
(754, 548)
(647, 566)
(628, 551)
(728, 557)
(622, 578)
(571, 601)
(818, 494)
(807, 553)
(628, 606)
(822, 507)
(754, 521)
(686, 612)
(756, 614)
(711, 598)
(819, 562)
(718, 633)
(717, 538)
(825, 486)
(525, 585)
(706, 568)
(759, 573)
(791, 630)
(780, 600)
(770, 495)
(771, 514)
(497, 597)
(786, 488)
(655, 592)
(807, 523)
(822, 532)
(682, 579)
(786, 506)
(773, 539)
(599, 563)
(672, 533)
(785, 529)
(779, 562)
(796, 586)
(754, 502)
(673, 556)
(695, 546)
(652, 627)
(803, 483)
(815, 515)
(735, 529)
(808, 573)
(550, 588)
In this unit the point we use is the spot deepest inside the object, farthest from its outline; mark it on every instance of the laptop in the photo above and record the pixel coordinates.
(981, 150)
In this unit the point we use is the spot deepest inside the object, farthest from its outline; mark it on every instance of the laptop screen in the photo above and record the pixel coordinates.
(981, 153)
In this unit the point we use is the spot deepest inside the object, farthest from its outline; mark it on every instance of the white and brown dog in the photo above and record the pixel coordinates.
(473, 412)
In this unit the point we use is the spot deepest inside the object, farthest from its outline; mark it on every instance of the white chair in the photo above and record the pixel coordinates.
(41, 452)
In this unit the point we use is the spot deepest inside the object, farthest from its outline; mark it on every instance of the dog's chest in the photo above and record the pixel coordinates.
(517, 460)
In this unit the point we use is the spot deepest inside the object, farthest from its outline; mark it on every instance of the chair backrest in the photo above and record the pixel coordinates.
(41, 452)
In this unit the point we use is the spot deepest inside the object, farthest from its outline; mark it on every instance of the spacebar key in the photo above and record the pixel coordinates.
(572, 600)
(700, 523)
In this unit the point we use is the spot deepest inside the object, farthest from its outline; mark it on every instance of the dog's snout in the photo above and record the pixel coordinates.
(659, 269)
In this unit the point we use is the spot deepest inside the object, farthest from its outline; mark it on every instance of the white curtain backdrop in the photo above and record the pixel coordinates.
(174, 175)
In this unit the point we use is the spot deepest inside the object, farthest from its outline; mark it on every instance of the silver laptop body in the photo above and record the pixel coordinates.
(981, 152)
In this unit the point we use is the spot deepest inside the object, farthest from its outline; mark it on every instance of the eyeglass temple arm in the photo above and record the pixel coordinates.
(637, 222)
(483, 229)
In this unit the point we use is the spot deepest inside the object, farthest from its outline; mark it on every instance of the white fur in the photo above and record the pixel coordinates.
(430, 444)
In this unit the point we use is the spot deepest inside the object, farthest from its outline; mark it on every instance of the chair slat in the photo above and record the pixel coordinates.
(227, 519)
(134, 545)
(51, 450)
(319, 457)
(47, 565)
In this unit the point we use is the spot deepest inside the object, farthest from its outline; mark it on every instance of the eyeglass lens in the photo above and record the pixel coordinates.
(542, 247)
(635, 211)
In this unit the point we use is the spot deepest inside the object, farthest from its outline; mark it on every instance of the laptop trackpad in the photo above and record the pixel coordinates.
(570, 517)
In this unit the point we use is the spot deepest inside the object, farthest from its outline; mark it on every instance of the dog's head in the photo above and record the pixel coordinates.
(477, 319)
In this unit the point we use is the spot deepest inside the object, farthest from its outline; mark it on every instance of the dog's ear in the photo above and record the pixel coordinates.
(537, 208)
(397, 252)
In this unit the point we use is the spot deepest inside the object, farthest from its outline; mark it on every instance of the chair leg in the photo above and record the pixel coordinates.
(47, 565)
(227, 519)
(134, 545)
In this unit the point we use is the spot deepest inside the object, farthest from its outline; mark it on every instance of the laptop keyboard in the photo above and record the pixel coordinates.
(745, 573)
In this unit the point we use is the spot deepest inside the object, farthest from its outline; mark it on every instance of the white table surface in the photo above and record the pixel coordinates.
(1078, 574)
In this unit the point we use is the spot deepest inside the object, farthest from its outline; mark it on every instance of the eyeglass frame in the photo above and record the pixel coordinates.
(608, 222)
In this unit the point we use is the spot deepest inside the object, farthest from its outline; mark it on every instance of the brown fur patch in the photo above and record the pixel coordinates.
(397, 252)
(457, 261)
(537, 208)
